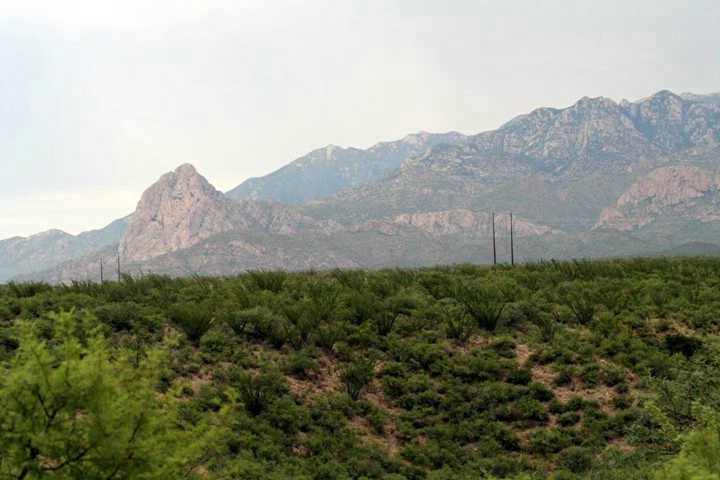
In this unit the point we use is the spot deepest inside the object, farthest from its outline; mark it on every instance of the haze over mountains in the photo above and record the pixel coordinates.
(598, 178)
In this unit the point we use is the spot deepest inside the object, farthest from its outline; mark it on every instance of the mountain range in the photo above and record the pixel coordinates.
(598, 178)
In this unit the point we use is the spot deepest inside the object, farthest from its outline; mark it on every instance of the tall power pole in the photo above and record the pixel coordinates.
(494, 250)
(512, 250)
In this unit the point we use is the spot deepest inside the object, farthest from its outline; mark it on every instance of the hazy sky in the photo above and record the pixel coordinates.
(99, 98)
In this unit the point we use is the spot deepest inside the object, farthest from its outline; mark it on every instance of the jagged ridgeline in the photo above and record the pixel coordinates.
(571, 370)
(596, 179)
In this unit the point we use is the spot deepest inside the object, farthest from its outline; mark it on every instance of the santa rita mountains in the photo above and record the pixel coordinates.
(596, 179)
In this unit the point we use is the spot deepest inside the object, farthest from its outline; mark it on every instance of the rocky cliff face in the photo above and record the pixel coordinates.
(670, 194)
(182, 209)
(178, 211)
(466, 223)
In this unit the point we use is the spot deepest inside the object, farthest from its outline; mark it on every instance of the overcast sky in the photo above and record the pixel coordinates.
(99, 98)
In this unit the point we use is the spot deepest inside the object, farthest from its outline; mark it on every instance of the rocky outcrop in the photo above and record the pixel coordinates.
(670, 194)
(176, 212)
(182, 209)
(466, 223)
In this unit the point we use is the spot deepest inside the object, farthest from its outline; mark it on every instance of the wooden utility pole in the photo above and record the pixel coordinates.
(494, 250)
(101, 272)
(512, 249)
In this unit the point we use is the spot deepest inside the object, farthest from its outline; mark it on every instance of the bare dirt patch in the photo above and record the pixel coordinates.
(522, 353)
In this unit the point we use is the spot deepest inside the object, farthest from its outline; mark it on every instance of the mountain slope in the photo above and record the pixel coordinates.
(43, 250)
(555, 167)
(709, 98)
(328, 170)
(669, 195)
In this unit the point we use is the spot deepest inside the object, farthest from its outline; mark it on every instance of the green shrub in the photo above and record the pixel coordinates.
(476, 367)
(360, 306)
(555, 406)
(504, 346)
(565, 375)
(259, 389)
(483, 303)
(327, 335)
(298, 331)
(506, 437)
(356, 376)
(118, 316)
(576, 459)
(581, 299)
(540, 392)
(519, 375)
(235, 319)
(488, 395)
(27, 289)
(550, 440)
(621, 402)
(546, 324)
(352, 279)
(575, 403)
(215, 343)
(300, 364)
(270, 280)
(612, 375)
(528, 408)
(678, 343)
(419, 355)
(265, 325)
(569, 419)
(384, 321)
(615, 295)
(192, 318)
(458, 324)
(378, 420)
(590, 374)
(285, 414)
(622, 387)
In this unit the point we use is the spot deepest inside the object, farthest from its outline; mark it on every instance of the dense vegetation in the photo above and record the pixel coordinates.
(579, 369)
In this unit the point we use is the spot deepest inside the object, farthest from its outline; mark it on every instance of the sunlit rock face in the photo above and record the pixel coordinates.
(667, 194)
(176, 212)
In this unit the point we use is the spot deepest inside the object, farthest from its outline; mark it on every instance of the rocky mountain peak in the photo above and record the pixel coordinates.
(559, 141)
(330, 151)
(672, 123)
(179, 210)
(185, 169)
